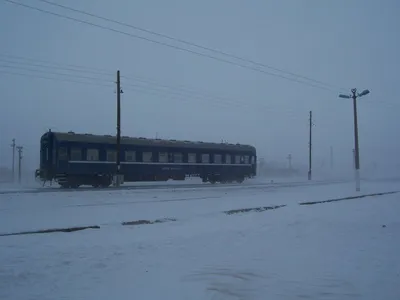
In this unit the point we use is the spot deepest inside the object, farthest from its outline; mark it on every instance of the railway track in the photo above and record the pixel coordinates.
(187, 186)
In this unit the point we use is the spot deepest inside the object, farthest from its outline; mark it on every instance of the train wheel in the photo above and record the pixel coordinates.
(239, 180)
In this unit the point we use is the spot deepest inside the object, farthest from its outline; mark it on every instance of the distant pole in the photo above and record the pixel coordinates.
(13, 159)
(357, 150)
(354, 160)
(118, 128)
(289, 157)
(331, 157)
(310, 150)
(19, 162)
(354, 95)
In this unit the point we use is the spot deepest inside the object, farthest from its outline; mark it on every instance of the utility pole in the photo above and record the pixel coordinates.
(13, 160)
(331, 158)
(354, 95)
(289, 157)
(354, 160)
(310, 149)
(19, 162)
(117, 179)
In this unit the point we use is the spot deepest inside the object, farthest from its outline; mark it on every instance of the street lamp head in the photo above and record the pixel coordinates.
(344, 96)
(363, 93)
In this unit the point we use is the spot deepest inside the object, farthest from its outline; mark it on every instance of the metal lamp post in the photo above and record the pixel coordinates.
(354, 95)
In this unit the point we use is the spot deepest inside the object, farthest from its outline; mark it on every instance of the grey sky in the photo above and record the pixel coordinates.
(344, 43)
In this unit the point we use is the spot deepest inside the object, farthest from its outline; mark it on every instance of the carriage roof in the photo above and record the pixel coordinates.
(140, 141)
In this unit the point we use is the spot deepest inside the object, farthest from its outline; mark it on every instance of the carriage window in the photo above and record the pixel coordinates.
(76, 154)
(246, 159)
(163, 157)
(252, 159)
(217, 158)
(205, 158)
(178, 157)
(111, 155)
(130, 156)
(228, 159)
(62, 154)
(237, 159)
(92, 154)
(192, 158)
(147, 156)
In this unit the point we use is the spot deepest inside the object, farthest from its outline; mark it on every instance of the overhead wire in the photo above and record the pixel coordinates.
(165, 36)
(188, 43)
(178, 92)
(187, 92)
(51, 78)
(327, 86)
(53, 73)
(79, 68)
(7, 61)
(154, 90)
(170, 46)
(182, 99)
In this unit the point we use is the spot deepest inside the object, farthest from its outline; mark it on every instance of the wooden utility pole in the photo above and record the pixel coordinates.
(117, 179)
(19, 162)
(13, 160)
(310, 149)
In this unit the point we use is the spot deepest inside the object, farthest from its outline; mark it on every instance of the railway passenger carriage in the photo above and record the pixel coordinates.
(85, 159)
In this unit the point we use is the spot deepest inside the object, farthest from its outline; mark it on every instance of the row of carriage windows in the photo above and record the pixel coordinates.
(163, 157)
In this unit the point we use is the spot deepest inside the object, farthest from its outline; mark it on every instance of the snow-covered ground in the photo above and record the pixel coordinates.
(338, 250)
(33, 185)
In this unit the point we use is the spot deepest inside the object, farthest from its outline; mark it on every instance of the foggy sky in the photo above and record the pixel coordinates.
(344, 43)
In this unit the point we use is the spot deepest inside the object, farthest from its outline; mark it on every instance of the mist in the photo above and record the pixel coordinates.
(175, 94)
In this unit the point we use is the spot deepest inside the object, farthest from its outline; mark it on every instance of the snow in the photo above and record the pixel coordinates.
(338, 250)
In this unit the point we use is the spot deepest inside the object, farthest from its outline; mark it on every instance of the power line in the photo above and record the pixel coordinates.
(136, 88)
(177, 95)
(187, 43)
(153, 92)
(104, 72)
(170, 46)
(193, 94)
(78, 67)
(51, 78)
(136, 79)
(53, 73)
(290, 114)
(162, 88)
(52, 67)
(159, 87)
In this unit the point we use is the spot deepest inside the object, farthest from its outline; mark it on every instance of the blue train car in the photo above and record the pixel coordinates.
(74, 159)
